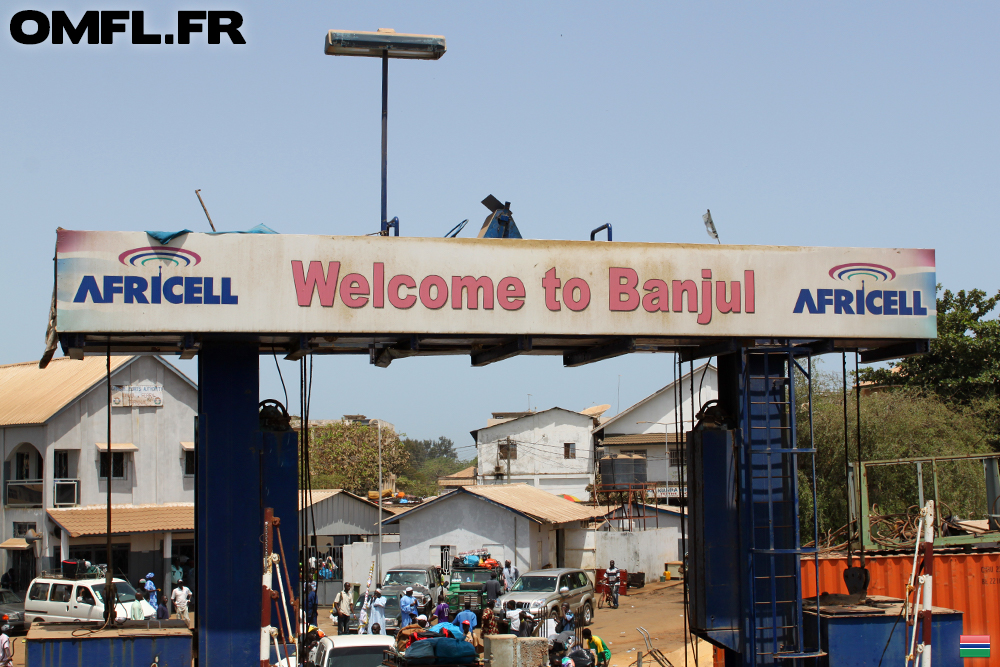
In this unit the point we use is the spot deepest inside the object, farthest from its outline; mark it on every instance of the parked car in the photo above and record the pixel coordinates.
(61, 599)
(12, 607)
(351, 651)
(542, 592)
(425, 580)
(391, 613)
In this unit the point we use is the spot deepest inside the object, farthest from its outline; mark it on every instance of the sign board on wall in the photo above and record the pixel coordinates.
(136, 396)
(127, 282)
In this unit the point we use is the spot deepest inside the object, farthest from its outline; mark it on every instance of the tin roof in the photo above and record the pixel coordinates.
(319, 495)
(31, 395)
(125, 519)
(524, 499)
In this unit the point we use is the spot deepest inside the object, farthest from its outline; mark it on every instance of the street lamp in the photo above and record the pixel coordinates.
(378, 422)
(385, 43)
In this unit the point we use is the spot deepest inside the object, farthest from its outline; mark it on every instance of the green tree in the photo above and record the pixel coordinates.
(346, 456)
(963, 365)
(423, 450)
(901, 423)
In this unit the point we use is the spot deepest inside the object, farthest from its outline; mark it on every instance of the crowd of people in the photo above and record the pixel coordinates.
(150, 602)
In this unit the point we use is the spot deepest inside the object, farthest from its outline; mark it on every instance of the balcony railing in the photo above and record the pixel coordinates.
(24, 493)
(66, 493)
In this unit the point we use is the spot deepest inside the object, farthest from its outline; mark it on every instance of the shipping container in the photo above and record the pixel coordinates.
(967, 582)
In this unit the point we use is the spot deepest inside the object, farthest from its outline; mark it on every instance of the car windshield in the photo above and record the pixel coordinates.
(355, 656)
(125, 592)
(534, 585)
(9, 597)
(391, 602)
(405, 578)
(474, 576)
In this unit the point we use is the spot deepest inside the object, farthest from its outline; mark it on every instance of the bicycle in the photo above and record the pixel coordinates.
(605, 597)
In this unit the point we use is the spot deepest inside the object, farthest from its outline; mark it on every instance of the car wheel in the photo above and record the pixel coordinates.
(588, 613)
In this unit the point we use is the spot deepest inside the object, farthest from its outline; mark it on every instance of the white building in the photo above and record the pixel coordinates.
(552, 450)
(53, 433)
(648, 427)
(516, 522)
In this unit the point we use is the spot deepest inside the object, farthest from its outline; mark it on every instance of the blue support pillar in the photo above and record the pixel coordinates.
(241, 470)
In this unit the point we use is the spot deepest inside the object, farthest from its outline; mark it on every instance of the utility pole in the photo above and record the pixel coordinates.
(508, 459)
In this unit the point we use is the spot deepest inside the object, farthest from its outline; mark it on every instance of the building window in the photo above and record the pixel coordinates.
(21, 528)
(508, 450)
(119, 469)
(61, 464)
(189, 464)
(676, 457)
(569, 450)
(22, 464)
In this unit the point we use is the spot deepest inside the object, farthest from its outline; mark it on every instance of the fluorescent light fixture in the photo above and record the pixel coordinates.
(384, 42)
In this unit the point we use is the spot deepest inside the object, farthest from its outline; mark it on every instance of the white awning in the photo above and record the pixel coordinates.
(117, 447)
(16, 544)
(187, 446)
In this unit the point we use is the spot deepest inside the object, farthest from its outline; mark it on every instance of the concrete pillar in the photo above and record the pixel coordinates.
(168, 582)
(499, 649)
(531, 651)
(63, 545)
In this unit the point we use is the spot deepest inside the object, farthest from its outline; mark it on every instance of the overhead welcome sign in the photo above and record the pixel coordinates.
(119, 282)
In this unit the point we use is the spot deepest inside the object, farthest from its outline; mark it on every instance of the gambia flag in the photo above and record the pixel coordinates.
(974, 646)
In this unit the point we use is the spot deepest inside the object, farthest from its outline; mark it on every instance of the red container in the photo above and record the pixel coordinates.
(622, 582)
(969, 583)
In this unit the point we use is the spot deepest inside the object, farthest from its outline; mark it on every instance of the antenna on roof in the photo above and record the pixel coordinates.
(204, 208)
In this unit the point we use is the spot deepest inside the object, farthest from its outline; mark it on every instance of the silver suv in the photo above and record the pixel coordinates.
(542, 592)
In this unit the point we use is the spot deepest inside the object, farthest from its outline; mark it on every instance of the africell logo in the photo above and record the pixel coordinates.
(156, 289)
(860, 301)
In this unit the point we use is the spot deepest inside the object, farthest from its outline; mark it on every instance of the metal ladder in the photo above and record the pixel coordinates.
(770, 461)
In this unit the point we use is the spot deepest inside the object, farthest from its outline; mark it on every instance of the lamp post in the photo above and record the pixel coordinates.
(378, 569)
(385, 43)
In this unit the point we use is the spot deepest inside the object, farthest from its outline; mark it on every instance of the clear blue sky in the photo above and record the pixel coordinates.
(798, 124)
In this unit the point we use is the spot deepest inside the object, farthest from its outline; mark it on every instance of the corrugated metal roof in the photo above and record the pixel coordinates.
(317, 496)
(125, 519)
(638, 439)
(31, 395)
(467, 473)
(535, 503)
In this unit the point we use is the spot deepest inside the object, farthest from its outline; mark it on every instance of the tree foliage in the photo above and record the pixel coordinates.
(345, 456)
(963, 365)
(900, 423)
(423, 450)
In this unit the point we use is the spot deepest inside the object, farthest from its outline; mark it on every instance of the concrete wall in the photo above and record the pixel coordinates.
(358, 558)
(540, 460)
(638, 551)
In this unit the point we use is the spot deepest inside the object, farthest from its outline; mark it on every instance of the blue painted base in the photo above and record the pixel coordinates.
(858, 641)
(53, 645)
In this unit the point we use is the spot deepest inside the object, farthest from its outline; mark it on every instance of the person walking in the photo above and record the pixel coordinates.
(6, 651)
(312, 605)
(489, 618)
(135, 612)
(376, 620)
(602, 654)
(510, 575)
(493, 589)
(342, 606)
(150, 590)
(466, 615)
(442, 610)
(180, 597)
(162, 612)
(613, 575)
(407, 608)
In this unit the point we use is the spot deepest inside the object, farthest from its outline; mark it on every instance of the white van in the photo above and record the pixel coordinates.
(62, 599)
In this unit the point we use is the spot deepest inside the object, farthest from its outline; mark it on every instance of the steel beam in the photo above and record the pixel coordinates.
(615, 348)
(511, 348)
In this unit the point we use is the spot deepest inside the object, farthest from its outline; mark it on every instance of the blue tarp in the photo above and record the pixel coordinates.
(166, 237)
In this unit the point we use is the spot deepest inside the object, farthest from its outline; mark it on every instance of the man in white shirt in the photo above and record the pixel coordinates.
(510, 575)
(181, 596)
(6, 652)
(613, 575)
